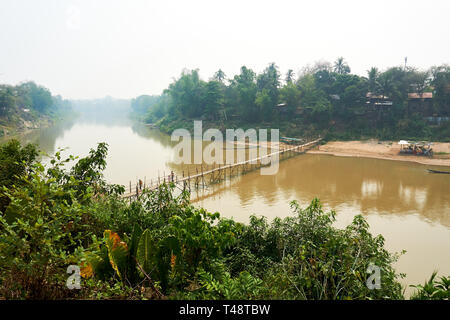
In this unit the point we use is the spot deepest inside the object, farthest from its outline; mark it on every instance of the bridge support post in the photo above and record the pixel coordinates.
(203, 178)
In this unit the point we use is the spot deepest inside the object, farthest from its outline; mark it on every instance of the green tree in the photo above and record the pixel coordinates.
(386, 84)
(47, 221)
(314, 100)
(7, 100)
(15, 162)
(213, 99)
(220, 76)
(187, 94)
(244, 85)
(289, 76)
(440, 80)
(268, 83)
(341, 67)
(324, 80)
(265, 104)
(373, 84)
(269, 79)
(40, 97)
(290, 94)
(420, 81)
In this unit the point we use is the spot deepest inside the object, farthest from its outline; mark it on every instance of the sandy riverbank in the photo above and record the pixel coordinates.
(383, 150)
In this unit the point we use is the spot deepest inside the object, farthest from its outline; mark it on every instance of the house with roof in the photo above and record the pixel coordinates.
(375, 100)
(421, 103)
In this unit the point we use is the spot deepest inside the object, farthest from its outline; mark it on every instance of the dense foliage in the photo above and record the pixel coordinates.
(162, 247)
(28, 102)
(325, 99)
(433, 289)
(15, 162)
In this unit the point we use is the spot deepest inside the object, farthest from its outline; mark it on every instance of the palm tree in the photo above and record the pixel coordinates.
(219, 76)
(289, 76)
(340, 66)
(386, 83)
(373, 75)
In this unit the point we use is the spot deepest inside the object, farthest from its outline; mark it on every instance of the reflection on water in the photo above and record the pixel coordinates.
(370, 189)
(400, 200)
(370, 186)
(44, 138)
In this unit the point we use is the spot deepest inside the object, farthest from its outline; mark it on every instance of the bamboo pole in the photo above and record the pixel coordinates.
(189, 181)
(184, 182)
(203, 178)
(243, 166)
(196, 177)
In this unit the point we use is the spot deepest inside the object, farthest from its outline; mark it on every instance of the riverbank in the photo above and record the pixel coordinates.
(22, 126)
(388, 150)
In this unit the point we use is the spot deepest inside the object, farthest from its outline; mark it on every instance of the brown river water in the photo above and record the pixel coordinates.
(400, 200)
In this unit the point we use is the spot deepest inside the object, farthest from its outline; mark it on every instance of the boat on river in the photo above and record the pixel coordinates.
(437, 171)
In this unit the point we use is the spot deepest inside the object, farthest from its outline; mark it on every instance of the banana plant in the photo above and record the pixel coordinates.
(110, 257)
(155, 255)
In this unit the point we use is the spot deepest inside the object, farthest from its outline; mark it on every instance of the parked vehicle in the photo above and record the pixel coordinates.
(416, 148)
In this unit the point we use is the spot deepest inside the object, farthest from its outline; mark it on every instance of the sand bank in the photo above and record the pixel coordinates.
(384, 150)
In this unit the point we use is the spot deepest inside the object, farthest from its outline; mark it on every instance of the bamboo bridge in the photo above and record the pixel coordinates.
(201, 179)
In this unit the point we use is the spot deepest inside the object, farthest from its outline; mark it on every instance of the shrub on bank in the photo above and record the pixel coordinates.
(160, 246)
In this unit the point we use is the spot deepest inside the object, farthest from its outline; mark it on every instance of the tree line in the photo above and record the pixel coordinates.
(325, 96)
(29, 100)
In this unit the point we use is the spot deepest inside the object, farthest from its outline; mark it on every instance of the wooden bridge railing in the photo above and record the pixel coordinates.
(203, 178)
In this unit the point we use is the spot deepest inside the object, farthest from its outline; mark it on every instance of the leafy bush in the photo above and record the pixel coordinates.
(45, 227)
(307, 258)
(433, 289)
(40, 234)
(15, 161)
(173, 246)
(300, 257)
(160, 246)
(223, 286)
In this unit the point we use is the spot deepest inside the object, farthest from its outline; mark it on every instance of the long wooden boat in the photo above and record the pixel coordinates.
(437, 171)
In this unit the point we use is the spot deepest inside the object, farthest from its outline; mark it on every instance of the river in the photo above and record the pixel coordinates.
(400, 200)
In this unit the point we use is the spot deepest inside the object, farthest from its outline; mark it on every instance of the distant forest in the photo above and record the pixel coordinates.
(105, 110)
(325, 99)
(29, 105)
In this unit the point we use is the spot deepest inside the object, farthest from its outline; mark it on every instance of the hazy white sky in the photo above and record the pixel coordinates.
(90, 49)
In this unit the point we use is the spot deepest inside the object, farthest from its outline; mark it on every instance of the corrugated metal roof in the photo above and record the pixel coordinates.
(371, 95)
(425, 95)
